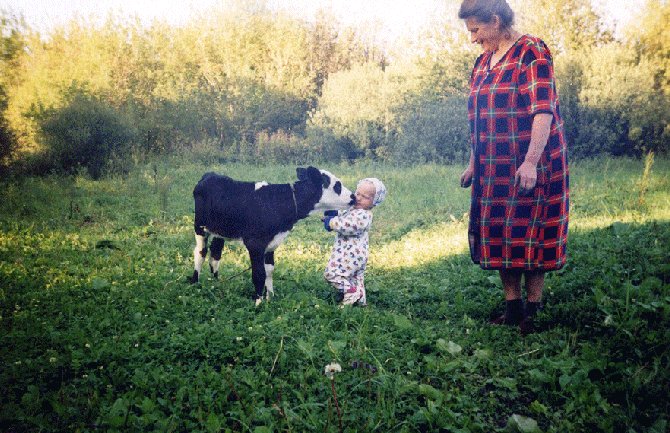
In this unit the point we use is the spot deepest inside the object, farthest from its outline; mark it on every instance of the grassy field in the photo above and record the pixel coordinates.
(102, 332)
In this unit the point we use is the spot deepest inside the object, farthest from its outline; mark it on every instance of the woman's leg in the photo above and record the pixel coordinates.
(511, 281)
(534, 288)
(534, 285)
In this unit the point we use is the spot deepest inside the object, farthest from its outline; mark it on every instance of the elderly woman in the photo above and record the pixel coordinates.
(518, 166)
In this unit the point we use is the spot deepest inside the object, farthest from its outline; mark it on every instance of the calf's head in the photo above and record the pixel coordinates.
(334, 195)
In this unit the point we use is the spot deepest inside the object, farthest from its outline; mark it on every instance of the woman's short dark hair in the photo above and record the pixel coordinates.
(484, 10)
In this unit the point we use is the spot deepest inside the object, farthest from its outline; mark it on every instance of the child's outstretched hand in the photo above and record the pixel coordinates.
(327, 216)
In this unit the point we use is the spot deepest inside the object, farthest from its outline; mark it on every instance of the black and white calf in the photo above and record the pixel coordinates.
(260, 215)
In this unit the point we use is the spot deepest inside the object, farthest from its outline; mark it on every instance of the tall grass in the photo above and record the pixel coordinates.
(101, 330)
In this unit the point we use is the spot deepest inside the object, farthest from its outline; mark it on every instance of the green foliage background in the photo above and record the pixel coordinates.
(249, 84)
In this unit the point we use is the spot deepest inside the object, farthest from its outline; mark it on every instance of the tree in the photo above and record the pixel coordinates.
(355, 106)
(651, 39)
(11, 48)
(610, 106)
(565, 25)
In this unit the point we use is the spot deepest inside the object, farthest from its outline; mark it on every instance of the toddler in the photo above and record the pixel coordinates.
(349, 257)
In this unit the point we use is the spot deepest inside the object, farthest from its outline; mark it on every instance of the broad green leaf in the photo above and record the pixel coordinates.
(659, 426)
(522, 424)
(213, 423)
(306, 348)
(117, 413)
(506, 382)
(430, 392)
(402, 321)
(538, 407)
(449, 346)
(147, 405)
(336, 346)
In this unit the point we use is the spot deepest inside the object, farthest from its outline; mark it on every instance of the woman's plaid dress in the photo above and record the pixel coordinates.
(507, 231)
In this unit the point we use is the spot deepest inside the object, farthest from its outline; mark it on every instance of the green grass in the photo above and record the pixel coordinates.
(102, 332)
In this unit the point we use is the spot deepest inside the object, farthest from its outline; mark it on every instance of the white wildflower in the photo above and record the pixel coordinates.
(331, 369)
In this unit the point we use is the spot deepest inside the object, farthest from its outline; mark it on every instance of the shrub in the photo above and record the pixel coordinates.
(434, 131)
(611, 106)
(354, 112)
(87, 133)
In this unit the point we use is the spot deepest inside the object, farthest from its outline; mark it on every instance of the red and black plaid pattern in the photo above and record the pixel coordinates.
(506, 230)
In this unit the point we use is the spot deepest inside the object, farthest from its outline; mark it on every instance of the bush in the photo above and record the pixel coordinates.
(611, 106)
(87, 133)
(434, 131)
(353, 115)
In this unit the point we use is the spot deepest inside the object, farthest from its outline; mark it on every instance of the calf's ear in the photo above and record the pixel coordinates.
(325, 180)
(310, 174)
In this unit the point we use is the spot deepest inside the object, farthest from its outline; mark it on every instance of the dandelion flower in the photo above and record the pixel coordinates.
(331, 369)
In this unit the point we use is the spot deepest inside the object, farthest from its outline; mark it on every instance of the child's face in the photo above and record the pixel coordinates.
(365, 196)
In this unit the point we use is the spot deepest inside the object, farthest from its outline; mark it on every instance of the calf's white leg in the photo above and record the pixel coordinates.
(199, 254)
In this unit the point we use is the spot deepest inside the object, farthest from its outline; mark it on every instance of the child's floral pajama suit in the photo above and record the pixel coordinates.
(349, 256)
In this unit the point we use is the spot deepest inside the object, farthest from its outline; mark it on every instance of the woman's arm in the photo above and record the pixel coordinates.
(466, 177)
(526, 175)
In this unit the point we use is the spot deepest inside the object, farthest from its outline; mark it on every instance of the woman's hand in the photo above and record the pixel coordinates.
(466, 177)
(525, 178)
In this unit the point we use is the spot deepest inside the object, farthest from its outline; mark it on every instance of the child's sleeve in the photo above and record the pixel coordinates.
(353, 223)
